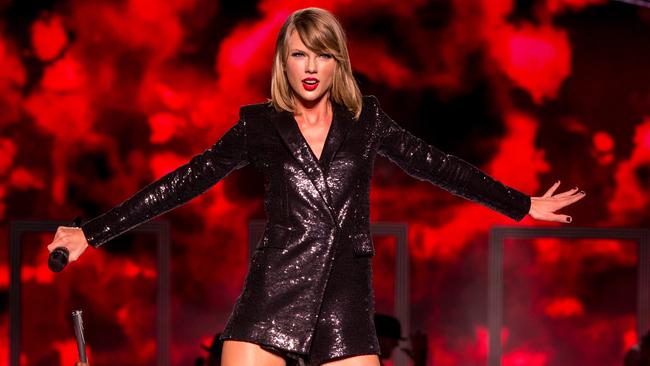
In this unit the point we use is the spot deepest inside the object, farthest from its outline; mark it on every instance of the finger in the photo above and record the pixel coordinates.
(556, 202)
(65, 233)
(59, 232)
(577, 197)
(67, 229)
(564, 219)
(62, 231)
(565, 201)
(53, 245)
(552, 189)
(62, 242)
(567, 193)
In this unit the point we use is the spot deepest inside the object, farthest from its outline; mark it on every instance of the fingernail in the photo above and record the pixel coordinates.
(583, 192)
(568, 219)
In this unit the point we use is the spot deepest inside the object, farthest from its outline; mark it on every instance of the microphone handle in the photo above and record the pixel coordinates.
(58, 259)
(77, 322)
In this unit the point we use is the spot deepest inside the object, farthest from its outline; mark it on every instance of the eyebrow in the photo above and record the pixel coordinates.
(304, 51)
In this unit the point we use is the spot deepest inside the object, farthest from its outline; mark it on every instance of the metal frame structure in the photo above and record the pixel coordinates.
(159, 228)
(498, 234)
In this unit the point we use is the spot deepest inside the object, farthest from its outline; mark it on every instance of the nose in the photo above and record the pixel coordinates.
(312, 65)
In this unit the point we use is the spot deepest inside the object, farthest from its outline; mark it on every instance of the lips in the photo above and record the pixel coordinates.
(310, 83)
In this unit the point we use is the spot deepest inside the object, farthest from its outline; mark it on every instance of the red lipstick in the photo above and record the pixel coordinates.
(310, 83)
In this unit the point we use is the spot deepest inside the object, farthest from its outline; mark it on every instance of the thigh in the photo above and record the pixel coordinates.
(238, 353)
(365, 360)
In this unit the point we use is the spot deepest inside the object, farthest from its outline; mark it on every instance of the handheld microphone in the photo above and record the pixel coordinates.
(77, 322)
(58, 259)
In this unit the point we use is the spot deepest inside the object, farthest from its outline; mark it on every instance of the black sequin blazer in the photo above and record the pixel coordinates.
(315, 209)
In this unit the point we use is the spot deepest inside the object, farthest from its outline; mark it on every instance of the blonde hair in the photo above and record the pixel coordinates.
(320, 31)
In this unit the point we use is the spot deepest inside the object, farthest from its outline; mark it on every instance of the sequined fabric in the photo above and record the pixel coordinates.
(308, 291)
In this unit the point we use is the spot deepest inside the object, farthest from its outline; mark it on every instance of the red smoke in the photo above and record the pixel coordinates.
(537, 59)
(564, 308)
(630, 198)
(12, 78)
(557, 6)
(603, 147)
(99, 98)
(48, 37)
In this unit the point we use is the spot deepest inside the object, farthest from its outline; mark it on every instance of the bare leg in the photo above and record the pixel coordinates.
(365, 360)
(238, 353)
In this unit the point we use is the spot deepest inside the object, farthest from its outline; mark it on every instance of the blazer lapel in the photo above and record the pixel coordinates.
(290, 133)
(293, 139)
(342, 120)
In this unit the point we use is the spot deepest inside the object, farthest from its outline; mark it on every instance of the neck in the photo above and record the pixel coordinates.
(313, 111)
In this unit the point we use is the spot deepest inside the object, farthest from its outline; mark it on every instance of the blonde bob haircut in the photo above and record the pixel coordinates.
(321, 32)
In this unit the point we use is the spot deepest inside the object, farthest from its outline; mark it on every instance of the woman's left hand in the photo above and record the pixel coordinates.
(544, 207)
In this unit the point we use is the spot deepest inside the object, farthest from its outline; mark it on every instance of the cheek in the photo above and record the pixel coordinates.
(329, 71)
(293, 69)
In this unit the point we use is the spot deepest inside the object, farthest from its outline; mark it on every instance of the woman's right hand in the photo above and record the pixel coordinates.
(71, 238)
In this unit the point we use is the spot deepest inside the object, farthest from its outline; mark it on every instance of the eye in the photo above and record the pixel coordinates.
(297, 54)
(326, 55)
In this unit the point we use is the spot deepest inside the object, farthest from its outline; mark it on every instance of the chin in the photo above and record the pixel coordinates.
(310, 97)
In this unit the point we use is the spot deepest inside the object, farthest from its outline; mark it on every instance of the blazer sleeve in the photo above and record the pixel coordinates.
(174, 189)
(426, 162)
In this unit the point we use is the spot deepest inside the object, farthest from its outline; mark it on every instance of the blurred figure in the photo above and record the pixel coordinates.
(419, 348)
(389, 333)
(639, 355)
(214, 352)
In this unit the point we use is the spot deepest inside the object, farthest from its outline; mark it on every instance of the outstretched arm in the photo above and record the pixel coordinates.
(172, 190)
(461, 178)
(425, 162)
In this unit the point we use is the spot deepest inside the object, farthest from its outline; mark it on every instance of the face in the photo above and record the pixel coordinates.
(310, 74)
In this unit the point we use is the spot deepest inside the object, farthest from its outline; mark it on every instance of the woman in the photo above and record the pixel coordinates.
(308, 292)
